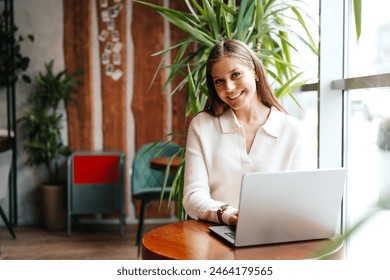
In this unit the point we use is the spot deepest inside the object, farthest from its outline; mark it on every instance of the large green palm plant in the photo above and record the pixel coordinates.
(43, 122)
(265, 25)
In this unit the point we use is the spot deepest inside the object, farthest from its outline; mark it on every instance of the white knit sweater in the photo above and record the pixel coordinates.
(216, 159)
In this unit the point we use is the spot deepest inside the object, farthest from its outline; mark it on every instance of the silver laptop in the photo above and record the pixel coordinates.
(286, 206)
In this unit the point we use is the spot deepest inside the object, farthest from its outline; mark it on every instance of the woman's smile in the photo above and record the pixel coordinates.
(235, 96)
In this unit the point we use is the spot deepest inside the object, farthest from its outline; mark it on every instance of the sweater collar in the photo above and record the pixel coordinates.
(273, 125)
(229, 122)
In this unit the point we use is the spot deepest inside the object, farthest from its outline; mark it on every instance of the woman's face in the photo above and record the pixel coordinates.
(234, 82)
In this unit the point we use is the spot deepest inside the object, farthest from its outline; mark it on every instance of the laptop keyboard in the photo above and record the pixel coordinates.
(231, 234)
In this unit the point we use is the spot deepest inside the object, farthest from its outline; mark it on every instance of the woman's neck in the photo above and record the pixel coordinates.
(257, 113)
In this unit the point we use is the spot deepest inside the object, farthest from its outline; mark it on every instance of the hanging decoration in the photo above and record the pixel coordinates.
(109, 36)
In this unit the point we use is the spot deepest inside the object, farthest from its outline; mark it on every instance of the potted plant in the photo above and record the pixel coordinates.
(12, 61)
(383, 142)
(43, 142)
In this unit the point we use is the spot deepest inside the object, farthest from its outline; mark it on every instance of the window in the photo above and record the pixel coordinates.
(365, 106)
(368, 163)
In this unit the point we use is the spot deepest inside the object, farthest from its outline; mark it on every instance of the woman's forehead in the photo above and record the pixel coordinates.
(227, 64)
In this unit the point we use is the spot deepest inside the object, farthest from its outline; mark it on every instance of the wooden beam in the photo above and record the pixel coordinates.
(179, 122)
(112, 27)
(113, 71)
(78, 55)
(149, 105)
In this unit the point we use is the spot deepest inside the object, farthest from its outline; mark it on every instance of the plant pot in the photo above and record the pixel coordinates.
(53, 204)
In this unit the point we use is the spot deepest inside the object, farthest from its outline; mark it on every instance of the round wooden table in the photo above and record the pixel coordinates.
(161, 163)
(192, 240)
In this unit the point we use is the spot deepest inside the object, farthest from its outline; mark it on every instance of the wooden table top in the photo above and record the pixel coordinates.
(192, 240)
(160, 163)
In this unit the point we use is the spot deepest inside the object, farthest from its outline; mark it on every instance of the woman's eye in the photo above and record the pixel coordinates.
(235, 75)
(218, 82)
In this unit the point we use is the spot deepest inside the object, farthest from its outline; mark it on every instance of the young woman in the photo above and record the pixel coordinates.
(245, 129)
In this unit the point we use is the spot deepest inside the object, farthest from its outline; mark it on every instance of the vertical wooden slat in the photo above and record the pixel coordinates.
(78, 55)
(149, 106)
(113, 91)
(114, 88)
(179, 98)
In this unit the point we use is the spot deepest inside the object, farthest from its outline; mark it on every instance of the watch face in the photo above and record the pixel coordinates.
(222, 208)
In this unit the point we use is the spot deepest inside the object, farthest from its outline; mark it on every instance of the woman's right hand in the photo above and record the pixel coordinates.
(233, 219)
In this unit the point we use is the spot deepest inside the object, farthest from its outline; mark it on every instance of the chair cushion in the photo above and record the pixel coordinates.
(143, 176)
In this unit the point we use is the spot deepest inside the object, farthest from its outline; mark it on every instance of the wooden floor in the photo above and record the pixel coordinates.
(88, 242)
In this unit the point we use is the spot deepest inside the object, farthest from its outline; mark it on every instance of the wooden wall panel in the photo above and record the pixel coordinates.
(179, 98)
(149, 106)
(78, 44)
(112, 28)
(112, 23)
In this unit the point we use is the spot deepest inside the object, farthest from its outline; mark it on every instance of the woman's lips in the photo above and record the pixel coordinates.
(237, 95)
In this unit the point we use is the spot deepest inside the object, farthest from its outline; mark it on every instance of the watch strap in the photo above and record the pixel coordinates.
(220, 211)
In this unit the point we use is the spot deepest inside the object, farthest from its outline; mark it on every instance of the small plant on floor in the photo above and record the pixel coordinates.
(43, 122)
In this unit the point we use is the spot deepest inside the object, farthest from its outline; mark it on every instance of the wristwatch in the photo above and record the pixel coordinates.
(220, 211)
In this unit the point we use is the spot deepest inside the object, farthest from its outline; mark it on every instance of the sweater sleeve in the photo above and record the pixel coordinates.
(196, 199)
(300, 158)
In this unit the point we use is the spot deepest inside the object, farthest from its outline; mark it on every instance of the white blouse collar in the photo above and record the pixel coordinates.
(272, 126)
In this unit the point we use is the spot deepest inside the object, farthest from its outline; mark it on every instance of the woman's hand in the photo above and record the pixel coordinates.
(233, 219)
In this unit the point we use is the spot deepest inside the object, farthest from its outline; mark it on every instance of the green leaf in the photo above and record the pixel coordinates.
(239, 32)
(43, 123)
(303, 24)
(183, 21)
(226, 25)
(287, 87)
(192, 92)
(193, 12)
(211, 18)
(357, 8)
(26, 79)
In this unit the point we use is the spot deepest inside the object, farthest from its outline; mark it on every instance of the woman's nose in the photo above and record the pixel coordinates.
(229, 85)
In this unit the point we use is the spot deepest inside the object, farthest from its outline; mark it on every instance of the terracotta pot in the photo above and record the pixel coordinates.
(53, 204)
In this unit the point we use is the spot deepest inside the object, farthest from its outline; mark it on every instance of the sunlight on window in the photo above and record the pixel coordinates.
(368, 163)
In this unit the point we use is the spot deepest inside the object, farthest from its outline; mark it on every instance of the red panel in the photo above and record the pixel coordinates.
(95, 169)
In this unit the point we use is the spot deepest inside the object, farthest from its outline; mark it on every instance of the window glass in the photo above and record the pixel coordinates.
(370, 55)
(368, 155)
(368, 163)
(306, 107)
(307, 113)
